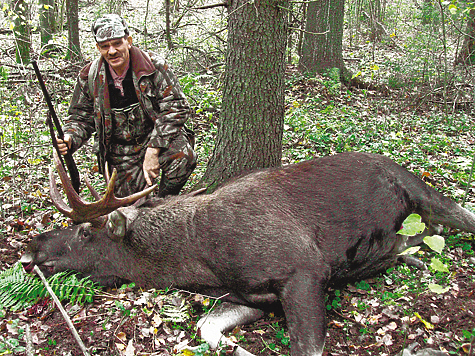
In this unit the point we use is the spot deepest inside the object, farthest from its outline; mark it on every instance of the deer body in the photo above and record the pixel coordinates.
(275, 235)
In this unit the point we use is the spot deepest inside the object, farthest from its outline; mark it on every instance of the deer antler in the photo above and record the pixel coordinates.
(80, 210)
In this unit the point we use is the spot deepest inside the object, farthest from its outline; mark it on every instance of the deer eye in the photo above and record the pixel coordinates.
(85, 232)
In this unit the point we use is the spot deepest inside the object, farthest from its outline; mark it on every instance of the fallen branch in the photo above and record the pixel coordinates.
(30, 351)
(63, 312)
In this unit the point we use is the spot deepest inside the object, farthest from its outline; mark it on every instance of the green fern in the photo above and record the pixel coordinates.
(19, 290)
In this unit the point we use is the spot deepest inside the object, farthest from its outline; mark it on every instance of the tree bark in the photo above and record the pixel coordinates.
(323, 38)
(427, 12)
(375, 19)
(168, 34)
(251, 122)
(22, 31)
(467, 53)
(72, 14)
(47, 20)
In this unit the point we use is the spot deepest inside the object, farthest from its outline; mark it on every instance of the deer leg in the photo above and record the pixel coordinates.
(224, 318)
(303, 299)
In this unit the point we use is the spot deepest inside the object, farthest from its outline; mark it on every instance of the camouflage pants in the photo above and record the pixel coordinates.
(176, 165)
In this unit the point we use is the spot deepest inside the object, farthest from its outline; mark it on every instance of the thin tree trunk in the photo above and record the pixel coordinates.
(168, 34)
(47, 20)
(467, 54)
(72, 13)
(145, 29)
(22, 31)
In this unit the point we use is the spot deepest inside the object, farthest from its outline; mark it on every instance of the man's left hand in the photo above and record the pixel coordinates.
(151, 167)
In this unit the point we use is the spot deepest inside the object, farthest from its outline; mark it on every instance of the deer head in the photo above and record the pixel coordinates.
(89, 237)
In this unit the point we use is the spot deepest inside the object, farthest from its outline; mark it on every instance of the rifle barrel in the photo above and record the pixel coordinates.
(68, 157)
(48, 100)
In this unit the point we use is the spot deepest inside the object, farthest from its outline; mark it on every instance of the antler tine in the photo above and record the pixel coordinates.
(107, 174)
(56, 196)
(73, 198)
(93, 191)
(81, 210)
(114, 203)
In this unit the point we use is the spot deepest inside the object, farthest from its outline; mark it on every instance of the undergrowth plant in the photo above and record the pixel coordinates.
(9, 345)
(19, 290)
(413, 226)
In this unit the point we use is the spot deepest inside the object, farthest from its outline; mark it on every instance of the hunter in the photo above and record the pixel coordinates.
(133, 104)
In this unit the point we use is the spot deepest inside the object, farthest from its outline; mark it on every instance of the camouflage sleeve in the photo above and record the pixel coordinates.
(80, 121)
(172, 109)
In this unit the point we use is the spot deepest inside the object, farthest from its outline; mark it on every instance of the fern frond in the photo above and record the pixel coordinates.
(19, 290)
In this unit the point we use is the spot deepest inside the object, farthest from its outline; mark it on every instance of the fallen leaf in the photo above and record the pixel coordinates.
(336, 324)
(157, 320)
(428, 325)
(466, 348)
(130, 351)
(121, 336)
(392, 326)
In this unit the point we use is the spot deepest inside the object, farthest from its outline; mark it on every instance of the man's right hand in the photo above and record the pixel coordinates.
(64, 145)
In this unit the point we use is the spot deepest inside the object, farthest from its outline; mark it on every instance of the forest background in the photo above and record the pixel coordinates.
(393, 77)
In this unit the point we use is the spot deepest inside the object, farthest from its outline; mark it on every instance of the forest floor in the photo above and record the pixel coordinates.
(379, 316)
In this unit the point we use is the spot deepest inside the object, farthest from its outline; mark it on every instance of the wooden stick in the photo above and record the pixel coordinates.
(61, 309)
(30, 351)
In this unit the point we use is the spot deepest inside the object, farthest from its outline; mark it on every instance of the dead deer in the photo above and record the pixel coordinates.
(275, 235)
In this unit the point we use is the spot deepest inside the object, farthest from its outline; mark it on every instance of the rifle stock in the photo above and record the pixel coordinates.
(68, 157)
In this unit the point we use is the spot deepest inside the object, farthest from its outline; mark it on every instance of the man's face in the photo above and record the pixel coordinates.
(116, 52)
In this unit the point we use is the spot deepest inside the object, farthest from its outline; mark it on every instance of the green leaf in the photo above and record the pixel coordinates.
(436, 288)
(410, 251)
(453, 9)
(467, 334)
(435, 242)
(438, 265)
(412, 225)
(356, 75)
(19, 290)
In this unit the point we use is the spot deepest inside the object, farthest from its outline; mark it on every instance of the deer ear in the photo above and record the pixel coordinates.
(116, 225)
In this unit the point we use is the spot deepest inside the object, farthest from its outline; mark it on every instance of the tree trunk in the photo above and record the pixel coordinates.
(72, 14)
(168, 34)
(115, 6)
(47, 20)
(467, 53)
(427, 12)
(375, 19)
(322, 44)
(251, 122)
(22, 31)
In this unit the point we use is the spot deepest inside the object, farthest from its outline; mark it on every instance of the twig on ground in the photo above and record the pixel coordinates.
(63, 312)
(30, 351)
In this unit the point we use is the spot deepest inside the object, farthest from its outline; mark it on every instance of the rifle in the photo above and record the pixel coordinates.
(68, 157)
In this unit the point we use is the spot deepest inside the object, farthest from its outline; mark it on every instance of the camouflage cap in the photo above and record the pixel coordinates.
(108, 27)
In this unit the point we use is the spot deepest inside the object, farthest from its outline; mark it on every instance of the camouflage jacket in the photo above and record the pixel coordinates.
(160, 97)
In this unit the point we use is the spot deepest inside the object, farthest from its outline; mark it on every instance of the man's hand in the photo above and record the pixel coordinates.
(65, 144)
(151, 167)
